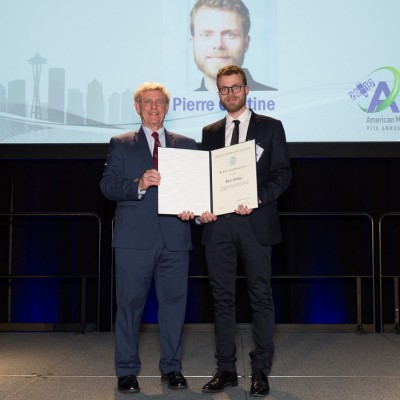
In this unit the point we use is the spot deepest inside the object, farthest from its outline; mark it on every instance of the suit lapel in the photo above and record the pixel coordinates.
(169, 139)
(219, 135)
(143, 147)
(253, 128)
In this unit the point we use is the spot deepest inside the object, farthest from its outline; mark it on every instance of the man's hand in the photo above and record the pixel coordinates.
(186, 215)
(207, 217)
(150, 178)
(243, 210)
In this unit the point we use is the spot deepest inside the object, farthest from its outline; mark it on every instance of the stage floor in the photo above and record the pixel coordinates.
(310, 366)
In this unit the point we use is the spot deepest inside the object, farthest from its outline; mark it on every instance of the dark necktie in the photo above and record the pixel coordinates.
(234, 140)
(235, 133)
(157, 144)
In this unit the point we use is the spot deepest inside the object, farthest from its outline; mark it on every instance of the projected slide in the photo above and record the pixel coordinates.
(329, 70)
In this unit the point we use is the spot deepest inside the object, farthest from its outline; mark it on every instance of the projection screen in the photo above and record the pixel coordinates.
(329, 70)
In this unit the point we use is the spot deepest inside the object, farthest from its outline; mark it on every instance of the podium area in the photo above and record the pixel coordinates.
(309, 366)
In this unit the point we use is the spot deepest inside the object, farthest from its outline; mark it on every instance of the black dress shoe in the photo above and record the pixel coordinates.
(259, 384)
(174, 380)
(221, 379)
(128, 384)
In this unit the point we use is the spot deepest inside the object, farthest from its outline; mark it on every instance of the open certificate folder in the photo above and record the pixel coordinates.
(216, 181)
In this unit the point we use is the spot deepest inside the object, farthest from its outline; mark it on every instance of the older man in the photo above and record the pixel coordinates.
(147, 245)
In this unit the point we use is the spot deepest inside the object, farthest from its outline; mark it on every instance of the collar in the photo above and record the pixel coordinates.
(246, 114)
(148, 131)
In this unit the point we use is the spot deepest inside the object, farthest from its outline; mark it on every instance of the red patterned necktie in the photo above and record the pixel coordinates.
(157, 144)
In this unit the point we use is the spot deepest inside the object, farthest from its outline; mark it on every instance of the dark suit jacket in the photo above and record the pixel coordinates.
(251, 83)
(137, 220)
(273, 173)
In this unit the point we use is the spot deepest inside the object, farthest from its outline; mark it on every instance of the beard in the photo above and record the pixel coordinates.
(232, 107)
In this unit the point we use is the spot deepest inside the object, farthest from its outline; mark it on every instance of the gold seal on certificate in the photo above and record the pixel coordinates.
(216, 181)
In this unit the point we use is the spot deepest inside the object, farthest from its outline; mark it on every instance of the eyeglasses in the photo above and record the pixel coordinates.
(150, 103)
(234, 89)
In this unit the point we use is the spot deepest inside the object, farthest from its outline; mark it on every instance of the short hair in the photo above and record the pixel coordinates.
(236, 6)
(232, 70)
(146, 86)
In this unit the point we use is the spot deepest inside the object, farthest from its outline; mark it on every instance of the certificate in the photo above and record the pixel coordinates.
(217, 181)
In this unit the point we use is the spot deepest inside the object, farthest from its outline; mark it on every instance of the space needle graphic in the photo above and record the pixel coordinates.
(36, 61)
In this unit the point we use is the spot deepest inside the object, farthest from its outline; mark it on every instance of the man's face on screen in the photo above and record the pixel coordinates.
(218, 40)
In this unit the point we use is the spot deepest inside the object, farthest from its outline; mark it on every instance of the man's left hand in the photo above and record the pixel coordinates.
(243, 210)
(186, 215)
